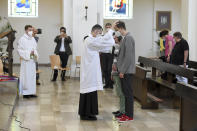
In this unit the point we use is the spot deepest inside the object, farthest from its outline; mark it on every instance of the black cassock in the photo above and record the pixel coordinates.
(88, 104)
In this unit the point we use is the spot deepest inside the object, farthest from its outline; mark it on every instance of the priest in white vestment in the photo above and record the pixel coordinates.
(91, 78)
(27, 50)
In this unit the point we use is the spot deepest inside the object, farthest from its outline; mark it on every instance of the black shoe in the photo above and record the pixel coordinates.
(111, 87)
(33, 96)
(93, 118)
(118, 115)
(106, 86)
(88, 118)
(38, 83)
(115, 113)
(53, 80)
(63, 79)
(26, 96)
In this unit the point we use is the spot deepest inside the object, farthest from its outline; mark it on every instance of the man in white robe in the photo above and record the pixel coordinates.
(91, 78)
(27, 50)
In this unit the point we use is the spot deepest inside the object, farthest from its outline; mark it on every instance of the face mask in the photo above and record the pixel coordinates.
(98, 35)
(118, 33)
(107, 29)
(61, 33)
(30, 33)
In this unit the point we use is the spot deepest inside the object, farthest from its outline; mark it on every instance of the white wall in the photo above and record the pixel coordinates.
(81, 27)
(192, 29)
(143, 24)
(68, 15)
(184, 18)
(50, 19)
(78, 27)
(168, 5)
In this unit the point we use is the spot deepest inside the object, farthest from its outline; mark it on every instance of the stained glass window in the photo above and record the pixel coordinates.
(22, 8)
(118, 9)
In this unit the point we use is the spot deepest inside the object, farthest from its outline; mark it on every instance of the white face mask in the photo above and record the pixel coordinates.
(108, 29)
(98, 35)
(118, 33)
(30, 33)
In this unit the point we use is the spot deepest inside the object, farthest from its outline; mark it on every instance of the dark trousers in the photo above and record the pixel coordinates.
(106, 65)
(64, 60)
(126, 84)
(37, 74)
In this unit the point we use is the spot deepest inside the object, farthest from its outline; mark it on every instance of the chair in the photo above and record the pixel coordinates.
(56, 64)
(1, 68)
(78, 63)
(69, 65)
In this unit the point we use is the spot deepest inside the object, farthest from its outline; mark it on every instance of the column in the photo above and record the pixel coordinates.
(68, 16)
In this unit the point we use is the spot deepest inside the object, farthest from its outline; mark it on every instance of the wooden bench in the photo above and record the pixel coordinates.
(146, 99)
(155, 82)
(193, 66)
(188, 113)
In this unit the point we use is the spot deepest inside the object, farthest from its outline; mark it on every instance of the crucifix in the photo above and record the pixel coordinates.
(86, 8)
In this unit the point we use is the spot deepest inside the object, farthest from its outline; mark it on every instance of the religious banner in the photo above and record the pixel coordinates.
(163, 20)
(23, 8)
(118, 9)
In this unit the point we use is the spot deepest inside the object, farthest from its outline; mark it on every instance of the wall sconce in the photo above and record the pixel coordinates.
(86, 16)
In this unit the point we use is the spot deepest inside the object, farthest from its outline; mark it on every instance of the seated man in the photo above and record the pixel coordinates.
(62, 49)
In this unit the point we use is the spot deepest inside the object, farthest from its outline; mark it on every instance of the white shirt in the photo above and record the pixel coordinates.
(107, 49)
(62, 48)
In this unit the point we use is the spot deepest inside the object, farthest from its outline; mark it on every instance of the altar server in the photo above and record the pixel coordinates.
(27, 50)
(91, 78)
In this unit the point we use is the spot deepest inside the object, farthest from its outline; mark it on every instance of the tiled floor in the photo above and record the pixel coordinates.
(57, 105)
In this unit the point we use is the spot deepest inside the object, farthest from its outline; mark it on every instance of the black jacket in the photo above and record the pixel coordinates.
(67, 42)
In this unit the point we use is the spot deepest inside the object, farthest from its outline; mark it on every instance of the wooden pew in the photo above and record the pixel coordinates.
(188, 114)
(156, 82)
(193, 66)
(147, 100)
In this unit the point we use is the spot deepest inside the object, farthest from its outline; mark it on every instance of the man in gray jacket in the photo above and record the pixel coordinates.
(126, 68)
